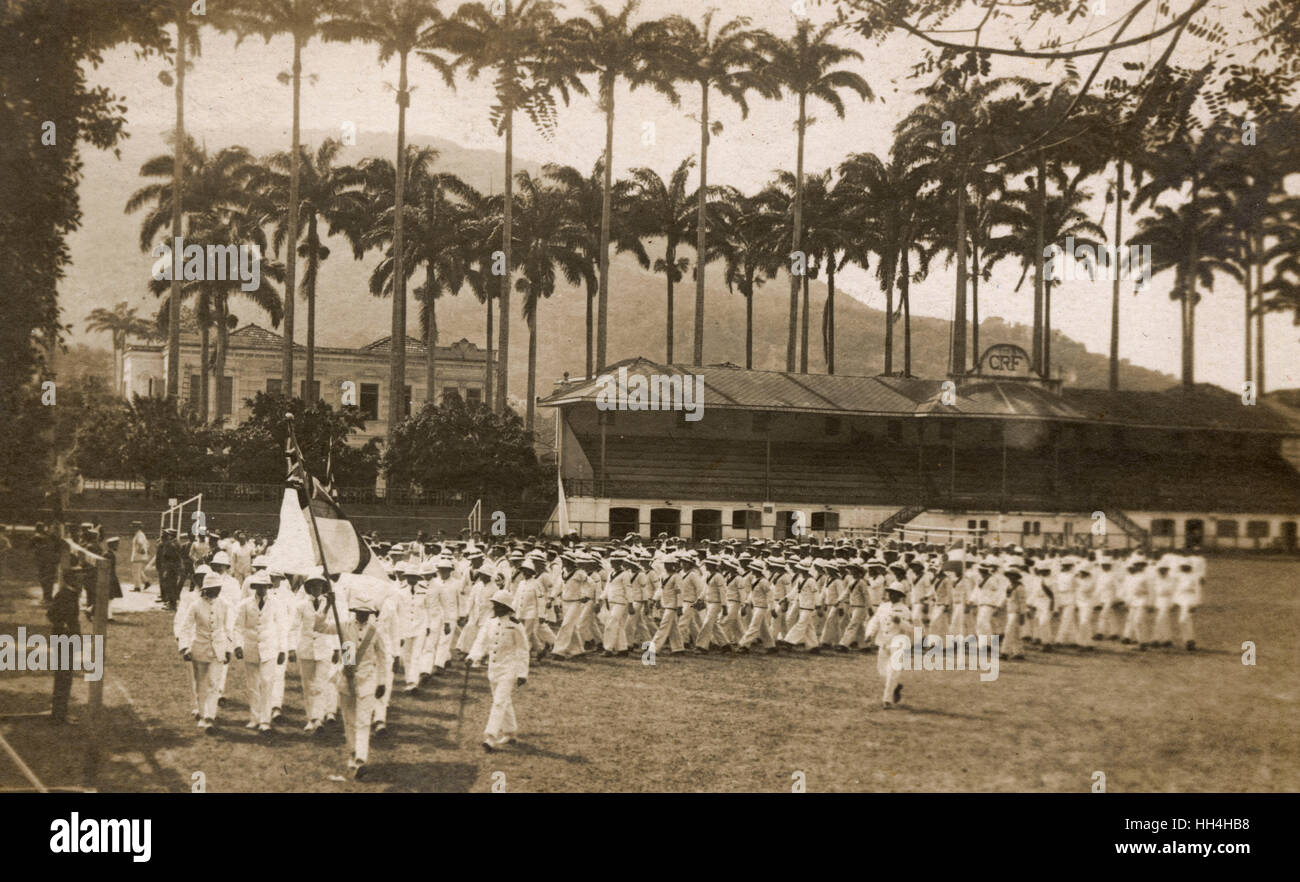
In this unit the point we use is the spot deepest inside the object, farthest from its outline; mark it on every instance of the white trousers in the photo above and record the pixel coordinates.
(358, 709)
(259, 678)
(205, 681)
(501, 725)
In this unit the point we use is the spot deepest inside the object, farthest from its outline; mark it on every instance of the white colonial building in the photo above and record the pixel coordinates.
(253, 362)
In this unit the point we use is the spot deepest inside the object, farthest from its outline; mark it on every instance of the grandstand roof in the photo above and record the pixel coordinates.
(731, 387)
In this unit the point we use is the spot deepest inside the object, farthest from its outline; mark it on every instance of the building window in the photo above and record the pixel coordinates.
(1256, 529)
(406, 401)
(196, 393)
(273, 386)
(833, 425)
(450, 394)
(315, 391)
(825, 521)
(760, 422)
(1226, 529)
(370, 401)
(226, 396)
(1163, 527)
(473, 396)
(746, 519)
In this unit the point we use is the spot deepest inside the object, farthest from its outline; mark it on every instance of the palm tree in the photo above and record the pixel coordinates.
(586, 196)
(611, 47)
(1061, 217)
(1194, 158)
(664, 209)
(187, 37)
(327, 194)
(747, 233)
(956, 131)
(301, 20)
(397, 28)
(547, 237)
(896, 221)
(807, 65)
(728, 61)
(218, 186)
(121, 323)
(531, 67)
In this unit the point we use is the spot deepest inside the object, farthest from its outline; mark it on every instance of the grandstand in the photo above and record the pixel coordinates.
(1007, 456)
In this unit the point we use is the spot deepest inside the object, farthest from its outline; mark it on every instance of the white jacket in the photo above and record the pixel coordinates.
(206, 630)
(506, 645)
(262, 633)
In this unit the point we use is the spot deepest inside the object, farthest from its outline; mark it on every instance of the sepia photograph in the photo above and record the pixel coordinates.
(646, 396)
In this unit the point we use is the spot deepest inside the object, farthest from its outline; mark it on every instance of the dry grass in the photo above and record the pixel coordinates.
(1162, 721)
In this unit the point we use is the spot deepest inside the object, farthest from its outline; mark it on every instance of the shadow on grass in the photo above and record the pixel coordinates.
(432, 777)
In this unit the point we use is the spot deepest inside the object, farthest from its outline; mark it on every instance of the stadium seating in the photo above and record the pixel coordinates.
(875, 472)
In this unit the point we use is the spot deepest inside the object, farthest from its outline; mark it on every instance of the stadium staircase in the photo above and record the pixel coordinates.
(1130, 527)
(899, 519)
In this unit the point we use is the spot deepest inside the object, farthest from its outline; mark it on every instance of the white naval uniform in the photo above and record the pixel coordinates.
(205, 632)
(356, 696)
(505, 644)
(261, 633)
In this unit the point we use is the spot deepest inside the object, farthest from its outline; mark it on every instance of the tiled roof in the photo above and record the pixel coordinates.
(730, 387)
(252, 336)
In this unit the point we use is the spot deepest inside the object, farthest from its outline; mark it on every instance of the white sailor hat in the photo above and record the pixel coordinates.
(260, 562)
(213, 580)
(221, 558)
(504, 598)
(428, 566)
(261, 577)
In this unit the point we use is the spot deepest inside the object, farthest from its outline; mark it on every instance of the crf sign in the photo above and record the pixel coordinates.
(1005, 360)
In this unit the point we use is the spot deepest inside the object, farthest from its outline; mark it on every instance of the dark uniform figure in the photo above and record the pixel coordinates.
(63, 613)
(171, 568)
(45, 551)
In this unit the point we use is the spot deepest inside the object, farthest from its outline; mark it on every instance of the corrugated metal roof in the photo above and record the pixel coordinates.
(731, 387)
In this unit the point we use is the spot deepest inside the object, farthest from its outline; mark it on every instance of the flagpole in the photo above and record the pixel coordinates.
(320, 552)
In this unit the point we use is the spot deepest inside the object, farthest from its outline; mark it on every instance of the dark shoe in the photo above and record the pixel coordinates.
(359, 770)
(381, 729)
(488, 748)
(898, 693)
(1191, 645)
(221, 702)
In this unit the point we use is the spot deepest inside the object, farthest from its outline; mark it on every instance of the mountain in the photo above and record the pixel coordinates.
(108, 266)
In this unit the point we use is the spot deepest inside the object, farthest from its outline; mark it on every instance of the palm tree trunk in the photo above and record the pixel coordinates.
(1040, 225)
(1113, 382)
(313, 267)
(431, 347)
(178, 198)
(531, 407)
(828, 321)
(503, 345)
(219, 366)
(591, 330)
(1189, 292)
(1249, 290)
(795, 238)
(1259, 322)
(397, 343)
(957, 366)
(904, 287)
(803, 351)
(669, 257)
(700, 244)
(488, 398)
(204, 316)
(975, 303)
(1047, 328)
(889, 326)
(291, 259)
(602, 311)
(749, 323)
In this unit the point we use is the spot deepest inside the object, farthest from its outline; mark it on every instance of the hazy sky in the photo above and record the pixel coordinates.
(230, 88)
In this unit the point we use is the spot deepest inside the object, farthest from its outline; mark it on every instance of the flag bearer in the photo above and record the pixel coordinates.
(360, 679)
(318, 651)
(260, 631)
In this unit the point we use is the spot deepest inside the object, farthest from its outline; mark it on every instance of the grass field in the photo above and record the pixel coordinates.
(1155, 721)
